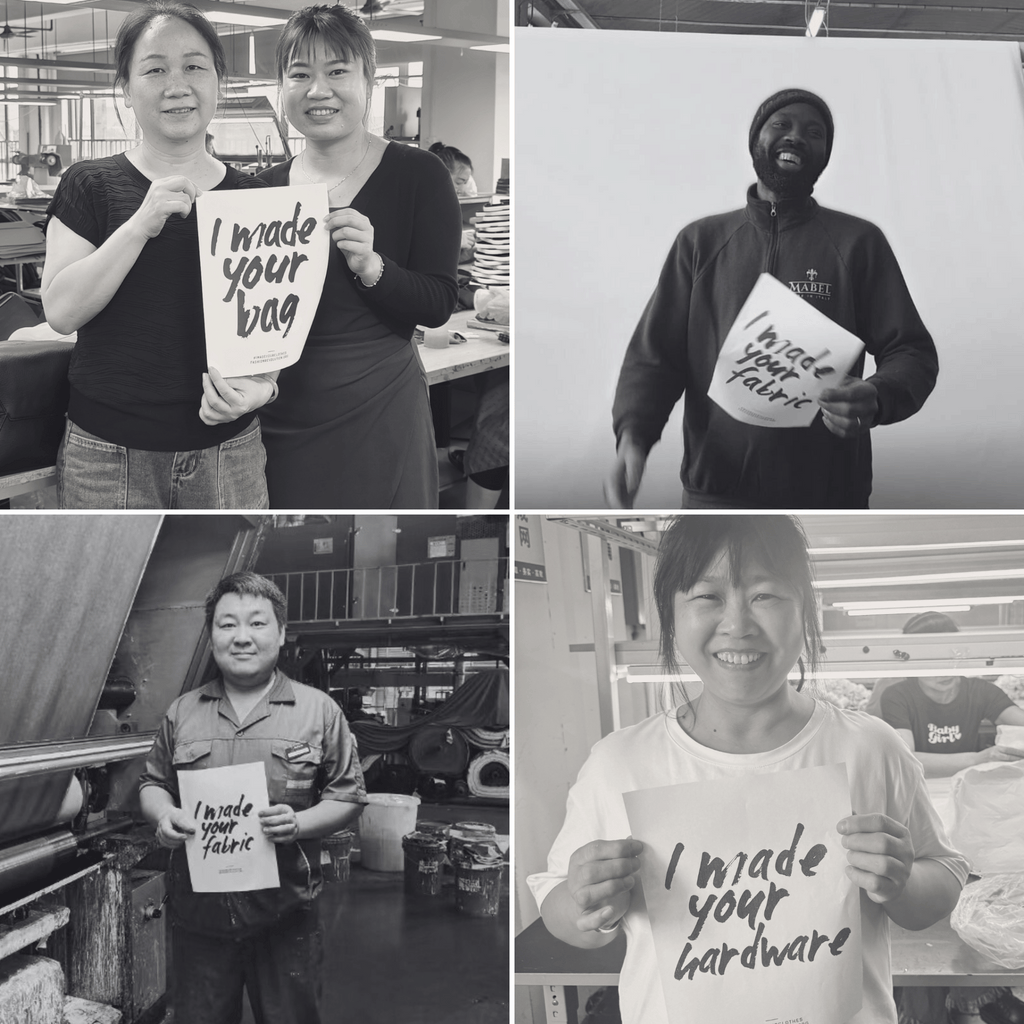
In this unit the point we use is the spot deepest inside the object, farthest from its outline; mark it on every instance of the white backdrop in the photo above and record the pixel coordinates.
(622, 138)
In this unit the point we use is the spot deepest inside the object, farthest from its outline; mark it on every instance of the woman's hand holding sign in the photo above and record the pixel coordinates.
(881, 854)
(279, 823)
(227, 398)
(851, 408)
(353, 235)
(601, 875)
(166, 197)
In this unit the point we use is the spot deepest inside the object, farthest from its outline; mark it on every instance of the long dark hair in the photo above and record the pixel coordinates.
(690, 545)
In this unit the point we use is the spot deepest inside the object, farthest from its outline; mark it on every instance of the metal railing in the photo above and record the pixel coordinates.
(441, 587)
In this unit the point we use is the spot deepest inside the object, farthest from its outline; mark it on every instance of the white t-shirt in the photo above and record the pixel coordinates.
(885, 778)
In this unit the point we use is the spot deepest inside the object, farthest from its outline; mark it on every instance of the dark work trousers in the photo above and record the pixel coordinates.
(279, 968)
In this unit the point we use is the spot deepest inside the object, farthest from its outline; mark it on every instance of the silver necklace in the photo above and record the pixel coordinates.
(302, 169)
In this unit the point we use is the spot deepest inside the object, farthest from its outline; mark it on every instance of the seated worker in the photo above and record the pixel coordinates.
(939, 717)
(460, 167)
(841, 265)
(268, 941)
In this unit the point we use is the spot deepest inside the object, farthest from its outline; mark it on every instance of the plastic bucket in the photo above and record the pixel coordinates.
(424, 856)
(478, 866)
(385, 819)
(337, 848)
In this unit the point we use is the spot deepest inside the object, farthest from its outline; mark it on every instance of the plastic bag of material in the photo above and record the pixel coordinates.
(990, 918)
(988, 818)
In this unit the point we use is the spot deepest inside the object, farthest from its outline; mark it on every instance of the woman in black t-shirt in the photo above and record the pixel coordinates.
(149, 424)
(352, 428)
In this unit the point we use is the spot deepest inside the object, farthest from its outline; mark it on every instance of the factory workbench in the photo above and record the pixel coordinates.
(934, 956)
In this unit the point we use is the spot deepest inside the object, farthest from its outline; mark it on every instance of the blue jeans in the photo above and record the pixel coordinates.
(93, 473)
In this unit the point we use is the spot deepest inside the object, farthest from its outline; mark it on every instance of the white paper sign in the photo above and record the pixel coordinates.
(229, 852)
(754, 919)
(263, 255)
(778, 357)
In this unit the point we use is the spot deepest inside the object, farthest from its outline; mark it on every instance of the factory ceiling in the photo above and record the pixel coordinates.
(923, 19)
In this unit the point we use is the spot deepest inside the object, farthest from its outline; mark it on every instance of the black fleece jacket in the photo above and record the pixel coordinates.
(840, 264)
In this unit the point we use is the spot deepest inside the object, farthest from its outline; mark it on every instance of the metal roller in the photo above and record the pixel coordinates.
(34, 858)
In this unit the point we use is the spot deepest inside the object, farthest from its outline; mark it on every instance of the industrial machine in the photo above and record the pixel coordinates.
(102, 627)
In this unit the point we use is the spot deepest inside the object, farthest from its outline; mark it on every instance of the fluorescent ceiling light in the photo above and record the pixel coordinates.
(494, 47)
(893, 549)
(243, 18)
(935, 603)
(386, 35)
(914, 608)
(940, 577)
(815, 21)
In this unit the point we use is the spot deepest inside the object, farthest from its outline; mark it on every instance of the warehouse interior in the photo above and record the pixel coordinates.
(104, 626)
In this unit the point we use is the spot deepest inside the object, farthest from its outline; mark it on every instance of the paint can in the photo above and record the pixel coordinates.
(424, 857)
(469, 831)
(337, 848)
(434, 828)
(478, 867)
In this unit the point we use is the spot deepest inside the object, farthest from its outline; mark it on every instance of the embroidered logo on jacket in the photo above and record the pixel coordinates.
(812, 287)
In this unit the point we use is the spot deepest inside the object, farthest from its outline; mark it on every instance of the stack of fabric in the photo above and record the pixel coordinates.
(491, 256)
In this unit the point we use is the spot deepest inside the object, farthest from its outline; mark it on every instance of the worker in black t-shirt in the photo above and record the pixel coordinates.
(939, 717)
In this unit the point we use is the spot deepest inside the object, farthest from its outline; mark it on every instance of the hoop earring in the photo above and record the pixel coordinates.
(800, 685)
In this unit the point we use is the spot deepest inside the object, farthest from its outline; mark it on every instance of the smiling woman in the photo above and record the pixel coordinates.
(353, 427)
(735, 600)
(150, 425)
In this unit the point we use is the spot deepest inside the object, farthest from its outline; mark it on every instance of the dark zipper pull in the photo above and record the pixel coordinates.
(773, 210)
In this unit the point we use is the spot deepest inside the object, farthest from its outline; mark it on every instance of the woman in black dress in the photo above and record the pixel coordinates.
(352, 425)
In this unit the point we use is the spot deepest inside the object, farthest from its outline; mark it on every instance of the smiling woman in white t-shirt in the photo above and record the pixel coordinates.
(736, 603)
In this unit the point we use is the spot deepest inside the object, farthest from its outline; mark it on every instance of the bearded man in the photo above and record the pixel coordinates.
(841, 265)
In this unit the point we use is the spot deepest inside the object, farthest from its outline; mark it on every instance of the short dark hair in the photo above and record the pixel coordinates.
(692, 542)
(930, 622)
(142, 16)
(254, 585)
(450, 156)
(340, 30)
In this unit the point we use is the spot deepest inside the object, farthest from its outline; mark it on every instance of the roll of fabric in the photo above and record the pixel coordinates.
(487, 739)
(489, 775)
(437, 750)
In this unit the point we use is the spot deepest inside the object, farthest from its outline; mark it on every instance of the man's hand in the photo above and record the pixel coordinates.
(174, 828)
(622, 483)
(601, 875)
(851, 408)
(880, 854)
(279, 824)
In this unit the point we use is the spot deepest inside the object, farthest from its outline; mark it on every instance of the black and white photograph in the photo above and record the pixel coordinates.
(697, 150)
(769, 768)
(254, 769)
(189, 340)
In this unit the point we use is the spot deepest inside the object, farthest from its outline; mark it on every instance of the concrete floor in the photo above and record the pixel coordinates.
(404, 960)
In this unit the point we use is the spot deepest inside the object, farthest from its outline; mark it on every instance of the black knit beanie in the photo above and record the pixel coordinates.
(783, 99)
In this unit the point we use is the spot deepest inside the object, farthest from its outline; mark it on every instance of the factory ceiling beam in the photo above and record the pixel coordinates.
(61, 64)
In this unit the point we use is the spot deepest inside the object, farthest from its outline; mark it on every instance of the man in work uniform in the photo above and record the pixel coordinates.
(841, 265)
(268, 941)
